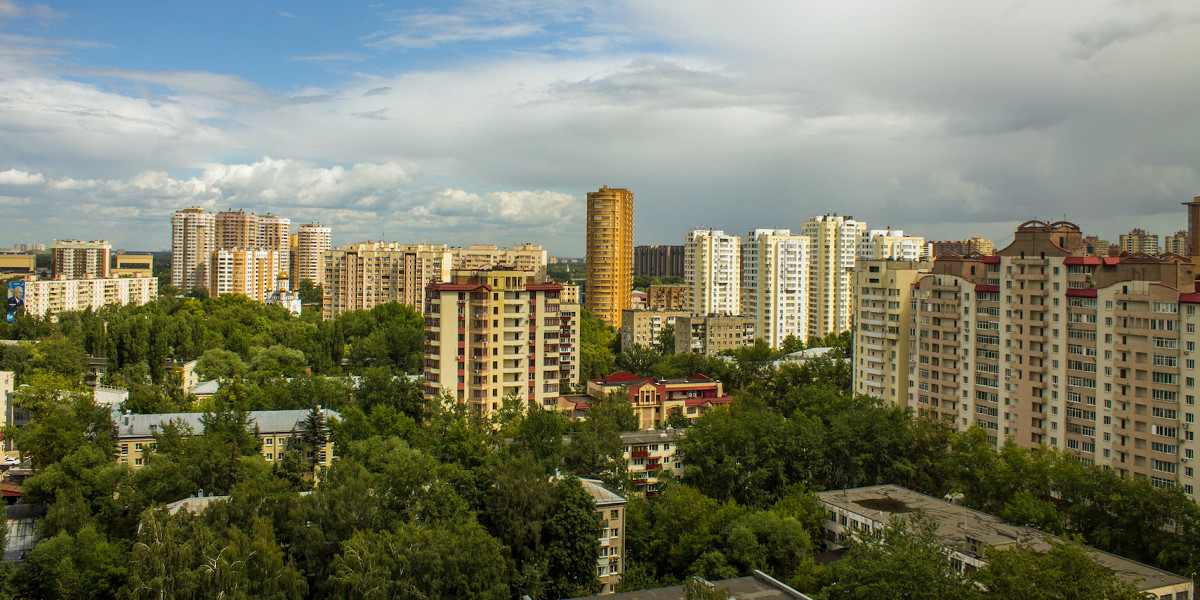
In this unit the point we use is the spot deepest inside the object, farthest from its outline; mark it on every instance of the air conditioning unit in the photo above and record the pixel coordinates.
(1186, 424)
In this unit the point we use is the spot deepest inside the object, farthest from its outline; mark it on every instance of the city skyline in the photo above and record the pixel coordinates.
(476, 122)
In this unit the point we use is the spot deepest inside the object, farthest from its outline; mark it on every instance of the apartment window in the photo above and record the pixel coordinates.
(614, 532)
(614, 514)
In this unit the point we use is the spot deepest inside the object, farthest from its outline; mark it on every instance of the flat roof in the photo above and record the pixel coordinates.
(267, 421)
(757, 586)
(957, 523)
(652, 435)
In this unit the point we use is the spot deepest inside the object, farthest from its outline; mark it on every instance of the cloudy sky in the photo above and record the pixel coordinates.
(488, 121)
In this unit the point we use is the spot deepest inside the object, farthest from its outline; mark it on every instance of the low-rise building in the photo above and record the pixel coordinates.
(654, 400)
(19, 264)
(650, 454)
(47, 297)
(610, 565)
(133, 265)
(966, 533)
(279, 430)
(642, 327)
(712, 334)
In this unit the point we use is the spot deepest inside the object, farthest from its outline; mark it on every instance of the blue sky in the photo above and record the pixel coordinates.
(489, 121)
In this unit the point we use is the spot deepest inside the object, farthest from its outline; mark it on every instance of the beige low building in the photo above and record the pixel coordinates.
(133, 265)
(667, 297)
(642, 327)
(48, 297)
(966, 533)
(650, 454)
(610, 565)
(279, 430)
(20, 264)
(712, 335)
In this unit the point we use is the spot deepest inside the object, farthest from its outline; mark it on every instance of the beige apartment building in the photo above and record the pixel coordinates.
(494, 334)
(77, 259)
(649, 454)
(1138, 241)
(236, 229)
(193, 240)
(642, 327)
(712, 265)
(975, 245)
(48, 297)
(775, 272)
(1177, 243)
(133, 265)
(965, 534)
(891, 244)
(881, 333)
(313, 240)
(275, 234)
(610, 565)
(251, 273)
(834, 242)
(667, 297)
(523, 257)
(609, 278)
(279, 430)
(1042, 345)
(364, 275)
(712, 334)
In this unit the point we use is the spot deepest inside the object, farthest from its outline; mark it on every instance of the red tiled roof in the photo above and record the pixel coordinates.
(1190, 298)
(700, 401)
(1082, 260)
(991, 260)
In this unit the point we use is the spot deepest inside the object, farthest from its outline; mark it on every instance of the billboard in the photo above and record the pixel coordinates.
(16, 299)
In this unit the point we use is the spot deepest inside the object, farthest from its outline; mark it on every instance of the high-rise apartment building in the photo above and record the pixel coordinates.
(974, 245)
(361, 276)
(1177, 243)
(77, 259)
(523, 257)
(1193, 229)
(658, 261)
(313, 240)
(712, 265)
(834, 244)
(1138, 241)
(891, 244)
(237, 229)
(609, 277)
(193, 240)
(775, 271)
(883, 301)
(274, 234)
(1044, 345)
(496, 334)
(252, 273)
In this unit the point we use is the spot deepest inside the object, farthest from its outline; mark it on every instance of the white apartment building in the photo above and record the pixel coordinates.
(313, 240)
(891, 244)
(775, 271)
(834, 242)
(193, 239)
(47, 297)
(712, 265)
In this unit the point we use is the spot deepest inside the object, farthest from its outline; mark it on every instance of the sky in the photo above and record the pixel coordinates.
(488, 122)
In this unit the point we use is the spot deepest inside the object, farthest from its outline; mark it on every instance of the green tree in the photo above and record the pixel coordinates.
(904, 560)
(310, 293)
(570, 541)
(1064, 572)
(696, 588)
(84, 565)
(221, 364)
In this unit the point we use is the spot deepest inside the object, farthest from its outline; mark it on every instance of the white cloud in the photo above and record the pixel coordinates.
(19, 177)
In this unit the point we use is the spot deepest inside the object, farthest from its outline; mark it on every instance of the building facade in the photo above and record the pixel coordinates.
(523, 257)
(251, 273)
(1138, 241)
(497, 334)
(47, 297)
(775, 271)
(834, 241)
(609, 277)
(1043, 345)
(658, 261)
(654, 400)
(610, 565)
(642, 327)
(193, 240)
(364, 275)
(649, 454)
(881, 332)
(236, 229)
(974, 245)
(133, 265)
(713, 268)
(891, 244)
(1178, 243)
(77, 259)
(667, 297)
(712, 334)
(275, 234)
(313, 240)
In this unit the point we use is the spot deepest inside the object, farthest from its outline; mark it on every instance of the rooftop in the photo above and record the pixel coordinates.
(267, 421)
(957, 523)
(758, 587)
(651, 436)
(600, 494)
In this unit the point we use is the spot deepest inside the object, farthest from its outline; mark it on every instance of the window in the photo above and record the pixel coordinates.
(614, 532)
